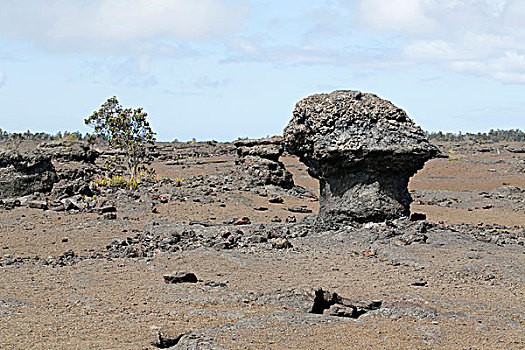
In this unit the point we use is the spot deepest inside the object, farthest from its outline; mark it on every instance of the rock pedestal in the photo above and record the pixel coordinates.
(260, 160)
(363, 150)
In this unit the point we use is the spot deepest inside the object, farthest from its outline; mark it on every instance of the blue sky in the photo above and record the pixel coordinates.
(219, 69)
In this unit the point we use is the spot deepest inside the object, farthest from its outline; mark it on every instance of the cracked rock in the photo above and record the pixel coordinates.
(363, 150)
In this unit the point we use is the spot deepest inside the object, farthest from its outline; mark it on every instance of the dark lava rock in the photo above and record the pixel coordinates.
(276, 200)
(110, 216)
(256, 239)
(106, 209)
(259, 159)
(68, 151)
(37, 204)
(299, 210)
(214, 284)
(67, 258)
(164, 342)
(180, 277)
(418, 216)
(74, 162)
(270, 148)
(25, 173)
(319, 301)
(291, 219)
(363, 150)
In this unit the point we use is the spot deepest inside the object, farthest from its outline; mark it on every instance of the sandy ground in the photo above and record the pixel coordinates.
(473, 297)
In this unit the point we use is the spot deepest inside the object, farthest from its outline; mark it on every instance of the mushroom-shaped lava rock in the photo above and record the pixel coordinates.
(363, 150)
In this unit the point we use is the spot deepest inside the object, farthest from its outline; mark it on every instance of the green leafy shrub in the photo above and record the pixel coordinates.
(126, 130)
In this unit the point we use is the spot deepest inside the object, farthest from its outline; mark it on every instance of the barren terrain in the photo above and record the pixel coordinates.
(80, 279)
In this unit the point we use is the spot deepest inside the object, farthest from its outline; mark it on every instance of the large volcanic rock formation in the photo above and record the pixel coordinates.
(74, 162)
(25, 173)
(260, 160)
(363, 150)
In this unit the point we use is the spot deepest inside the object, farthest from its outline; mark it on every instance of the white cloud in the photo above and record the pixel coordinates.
(484, 37)
(87, 25)
(509, 68)
(403, 15)
(2, 78)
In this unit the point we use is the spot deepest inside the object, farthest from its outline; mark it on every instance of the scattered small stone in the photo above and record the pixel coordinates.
(37, 204)
(260, 208)
(244, 221)
(180, 277)
(276, 219)
(256, 239)
(419, 283)
(199, 222)
(214, 284)
(276, 200)
(281, 243)
(69, 204)
(106, 209)
(65, 239)
(301, 209)
(291, 219)
(341, 311)
(110, 216)
(369, 252)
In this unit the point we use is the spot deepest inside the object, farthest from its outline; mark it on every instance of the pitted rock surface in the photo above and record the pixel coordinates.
(363, 150)
(260, 160)
(22, 174)
(68, 151)
(74, 162)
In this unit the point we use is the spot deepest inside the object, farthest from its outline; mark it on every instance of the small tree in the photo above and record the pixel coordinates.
(126, 130)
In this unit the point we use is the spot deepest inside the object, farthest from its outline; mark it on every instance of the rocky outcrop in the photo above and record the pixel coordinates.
(68, 151)
(363, 150)
(25, 173)
(260, 160)
(64, 168)
(74, 164)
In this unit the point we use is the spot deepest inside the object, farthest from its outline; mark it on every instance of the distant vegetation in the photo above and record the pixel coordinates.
(491, 136)
(43, 136)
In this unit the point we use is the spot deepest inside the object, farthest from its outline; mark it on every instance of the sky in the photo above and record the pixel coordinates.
(223, 69)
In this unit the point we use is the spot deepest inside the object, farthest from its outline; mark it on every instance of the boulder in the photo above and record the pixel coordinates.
(180, 277)
(68, 151)
(25, 173)
(363, 150)
(74, 164)
(259, 159)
